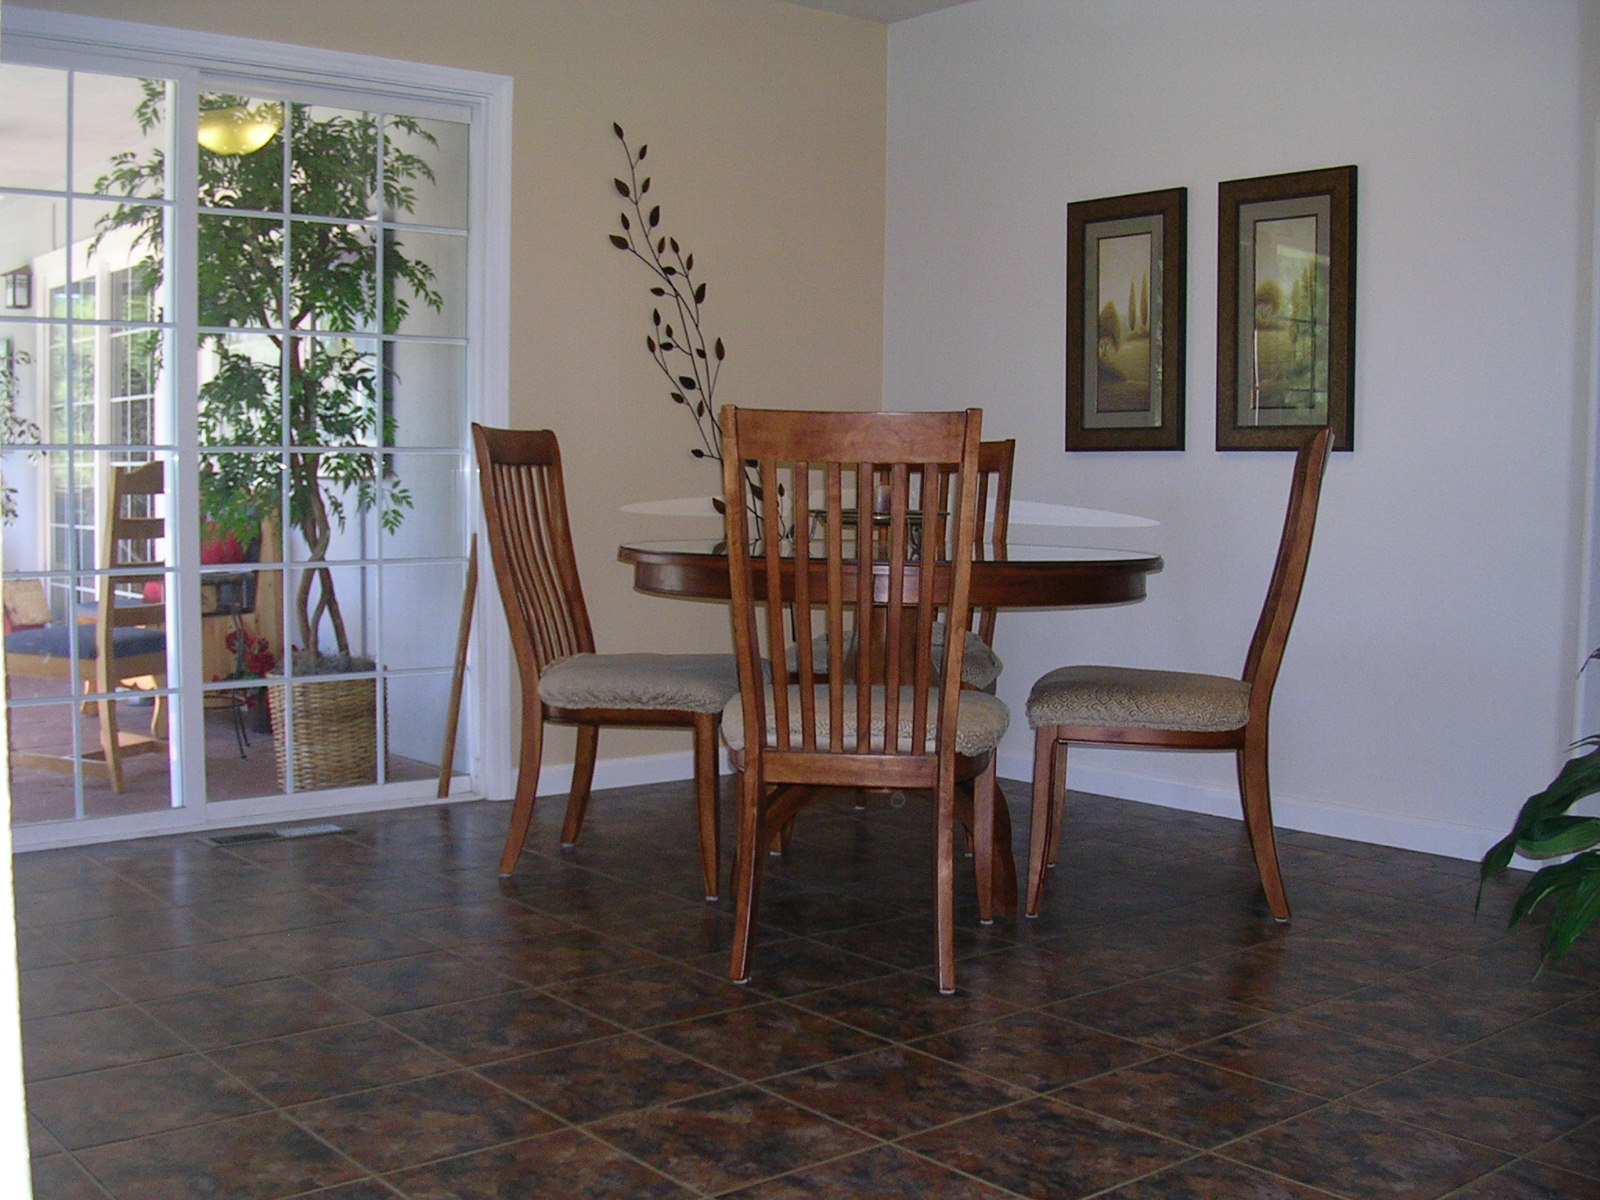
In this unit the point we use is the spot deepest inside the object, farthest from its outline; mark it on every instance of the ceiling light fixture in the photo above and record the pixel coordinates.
(240, 128)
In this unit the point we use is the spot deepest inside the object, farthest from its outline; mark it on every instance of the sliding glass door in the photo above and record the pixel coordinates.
(263, 286)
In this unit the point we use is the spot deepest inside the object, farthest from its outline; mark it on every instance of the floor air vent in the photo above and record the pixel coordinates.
(272, 835)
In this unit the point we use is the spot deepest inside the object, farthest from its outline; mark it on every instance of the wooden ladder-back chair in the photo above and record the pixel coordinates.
(883, 711)
(1127, 706)
(982, 665)
(125, 641)
(563, 679)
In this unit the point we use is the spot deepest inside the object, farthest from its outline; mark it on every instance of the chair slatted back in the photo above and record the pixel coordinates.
(854, 548)
(995, 461)
(1288, 572)
(131, 540)
(525, 510)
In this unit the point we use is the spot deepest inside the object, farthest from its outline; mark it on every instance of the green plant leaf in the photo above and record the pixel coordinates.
(1577, 916)
(1552, 836)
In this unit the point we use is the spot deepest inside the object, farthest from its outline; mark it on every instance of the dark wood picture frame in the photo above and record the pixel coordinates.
(1286, 307)
(1125, 357)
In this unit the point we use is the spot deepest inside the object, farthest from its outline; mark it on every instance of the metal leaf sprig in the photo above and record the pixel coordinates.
(689, 358)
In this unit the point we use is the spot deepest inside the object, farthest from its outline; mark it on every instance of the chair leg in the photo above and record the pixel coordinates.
(111, 743)
(944, 838)
(983, 839)
(582, 782)
(1256, 796)
(1044, 824)
(707, 807)
(1058, 804)
(747, 858)
(527, 789)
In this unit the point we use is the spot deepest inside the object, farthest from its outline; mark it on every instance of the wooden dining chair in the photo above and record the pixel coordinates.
(1127, 706)
(563, 679)
(123, 643)
(892, 714)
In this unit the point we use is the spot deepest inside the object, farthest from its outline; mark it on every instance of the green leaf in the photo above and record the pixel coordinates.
(1577, 916)
(1552, 836)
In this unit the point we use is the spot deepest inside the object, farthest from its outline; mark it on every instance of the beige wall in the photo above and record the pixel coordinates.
(766, 130)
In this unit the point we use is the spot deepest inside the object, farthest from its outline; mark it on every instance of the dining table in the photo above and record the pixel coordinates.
(1015, 575)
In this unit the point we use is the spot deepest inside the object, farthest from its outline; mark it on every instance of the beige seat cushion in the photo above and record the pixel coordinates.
(686, 682)
(979, 727)
(979, 669)
(1138, 699)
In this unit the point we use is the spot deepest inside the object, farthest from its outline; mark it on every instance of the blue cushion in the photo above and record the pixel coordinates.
(52, 641)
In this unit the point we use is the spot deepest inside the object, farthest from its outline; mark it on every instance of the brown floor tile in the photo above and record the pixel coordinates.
(249, 1012)
(1158, 1013)
(764, 1039)
(1255, 978)
(560, 953)
(659, 994)
(500, 1026)
(407, 1124)
(58, 1177)
(1045, 1148)
(419, 981)
(128, 1102)
(1034, 1050)
(886, 1173)
(1503, 1111)
(1207, 1178)
(92, 1041)
(261, 1157)
(1360, 1155)
(605, 1077)
(567, 1163)
(791, 966)
(52, 991)
(727, 1138)
(1578, 1151)
(902, 1006)
(893, 1092)
(1412, 1018)
(1546, 1050)
(1186, 1100)
(330, 1062)
(1308, 1057)
(1530, 1181)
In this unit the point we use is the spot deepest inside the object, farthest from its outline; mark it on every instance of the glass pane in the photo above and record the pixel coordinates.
(424, 172)
(240, 280)
(427, 284)
(240, 404)
(417, 710)
(122, 240)
(334, 165)
(332, 273)
(119, 135)
(49, 743)
(427, 393)
(343, 593)
(423, 506)
(33, 138)
(421, 607)
(241, 152)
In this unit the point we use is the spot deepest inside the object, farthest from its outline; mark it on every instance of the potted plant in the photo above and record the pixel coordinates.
(328, 393)
(1547, 829)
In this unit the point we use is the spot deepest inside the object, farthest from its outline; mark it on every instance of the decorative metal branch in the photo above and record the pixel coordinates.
(687, 356)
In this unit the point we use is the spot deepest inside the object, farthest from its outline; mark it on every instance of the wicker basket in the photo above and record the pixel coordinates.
(335, 733)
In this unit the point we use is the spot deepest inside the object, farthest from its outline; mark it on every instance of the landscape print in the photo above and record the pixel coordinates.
(1123, 341)
(1289, 354)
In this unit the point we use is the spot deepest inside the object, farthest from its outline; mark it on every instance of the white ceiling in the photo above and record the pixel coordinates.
(885, 11)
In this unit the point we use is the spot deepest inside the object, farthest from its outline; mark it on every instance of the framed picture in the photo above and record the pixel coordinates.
(1286, 306)
(1125, 321)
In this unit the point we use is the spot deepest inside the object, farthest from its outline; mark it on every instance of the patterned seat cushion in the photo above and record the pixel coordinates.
(1139, 699)
(979, 727)
(55, 641)
(684, 682)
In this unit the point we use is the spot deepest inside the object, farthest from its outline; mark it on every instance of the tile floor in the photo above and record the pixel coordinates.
(372, 1014)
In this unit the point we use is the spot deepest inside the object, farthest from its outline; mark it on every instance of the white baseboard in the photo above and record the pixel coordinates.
(1289, 812)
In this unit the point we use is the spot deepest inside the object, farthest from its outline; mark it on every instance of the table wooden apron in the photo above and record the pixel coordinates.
(1021, 576)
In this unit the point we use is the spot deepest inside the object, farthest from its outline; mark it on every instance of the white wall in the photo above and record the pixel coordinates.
(1429, 686)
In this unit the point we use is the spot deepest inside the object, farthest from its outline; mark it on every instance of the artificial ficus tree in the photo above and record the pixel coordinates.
(289, 312)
